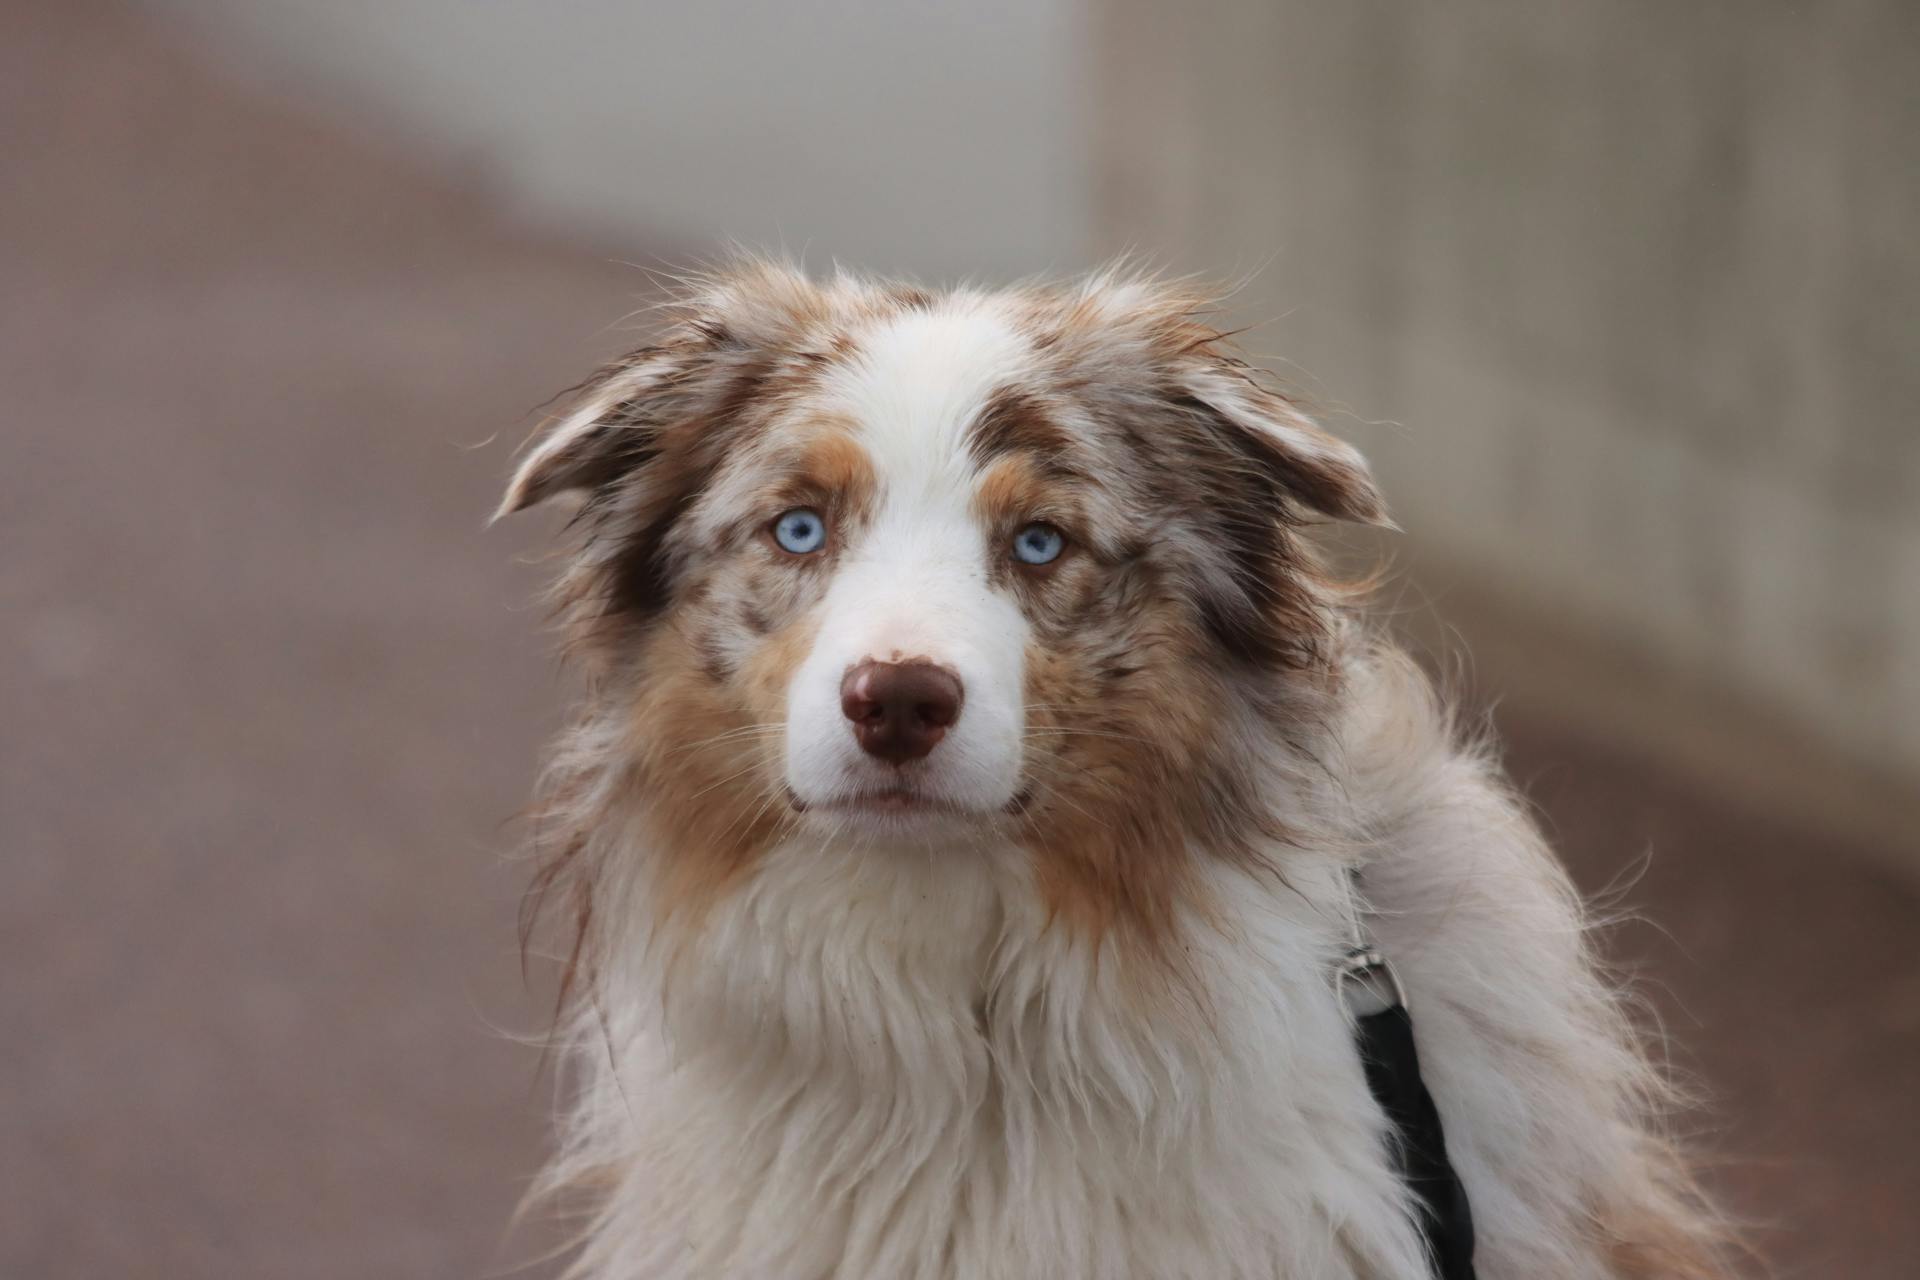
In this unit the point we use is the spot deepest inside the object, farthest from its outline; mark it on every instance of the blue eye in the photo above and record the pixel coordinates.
(800, 531)
(1038, 544)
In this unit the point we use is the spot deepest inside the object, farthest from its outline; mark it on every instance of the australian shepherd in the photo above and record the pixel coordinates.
(978, 786)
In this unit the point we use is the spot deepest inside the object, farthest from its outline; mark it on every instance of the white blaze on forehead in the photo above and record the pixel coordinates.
(915, 581)
(916, 384)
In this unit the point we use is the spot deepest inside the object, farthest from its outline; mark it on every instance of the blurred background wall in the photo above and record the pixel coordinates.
(899, 135)
(1618, 295)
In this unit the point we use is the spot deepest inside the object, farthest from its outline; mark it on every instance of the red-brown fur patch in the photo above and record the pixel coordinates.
(712, 783)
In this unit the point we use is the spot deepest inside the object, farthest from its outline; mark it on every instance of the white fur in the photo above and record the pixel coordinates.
(916, 584)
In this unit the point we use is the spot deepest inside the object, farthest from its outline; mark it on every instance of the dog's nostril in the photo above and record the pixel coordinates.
(940, 714)
(900, 710)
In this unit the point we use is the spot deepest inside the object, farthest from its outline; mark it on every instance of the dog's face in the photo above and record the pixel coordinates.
(903, 569)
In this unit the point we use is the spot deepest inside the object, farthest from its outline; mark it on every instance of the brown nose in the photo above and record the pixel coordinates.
(900, 709)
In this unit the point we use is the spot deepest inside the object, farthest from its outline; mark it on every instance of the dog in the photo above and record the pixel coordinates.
(978, 784)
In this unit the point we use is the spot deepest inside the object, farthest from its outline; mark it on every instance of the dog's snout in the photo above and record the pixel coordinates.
(900, 710)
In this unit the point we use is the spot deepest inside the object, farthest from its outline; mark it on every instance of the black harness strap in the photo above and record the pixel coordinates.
(1392, 1063)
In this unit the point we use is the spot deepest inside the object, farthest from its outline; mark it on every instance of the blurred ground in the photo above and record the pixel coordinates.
(270, 696)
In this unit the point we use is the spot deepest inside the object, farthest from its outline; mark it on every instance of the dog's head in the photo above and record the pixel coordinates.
(877, 565)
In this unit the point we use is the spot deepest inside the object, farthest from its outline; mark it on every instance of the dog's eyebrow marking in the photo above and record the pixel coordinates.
(827, 468)
(1014, 485)
(1015, 421)
(835, 461)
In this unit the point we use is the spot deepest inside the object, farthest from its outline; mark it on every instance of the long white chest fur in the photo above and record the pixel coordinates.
(882, 1063)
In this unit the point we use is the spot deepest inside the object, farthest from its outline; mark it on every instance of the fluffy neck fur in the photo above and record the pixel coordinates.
(892, 1062)
(871, 1065)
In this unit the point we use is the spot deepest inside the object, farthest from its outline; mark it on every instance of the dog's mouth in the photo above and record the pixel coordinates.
(880, 800)
(898, 801)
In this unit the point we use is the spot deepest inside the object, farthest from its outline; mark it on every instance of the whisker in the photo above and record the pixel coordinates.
(748, 816)
(738, 773)
(749, 731)
(1089, 733)
(1048, 773)
(1078, 808)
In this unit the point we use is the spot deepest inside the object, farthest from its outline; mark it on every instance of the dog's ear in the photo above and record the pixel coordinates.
(607, 430)
(1120, 326)
(1316, 469)
(725, 332)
